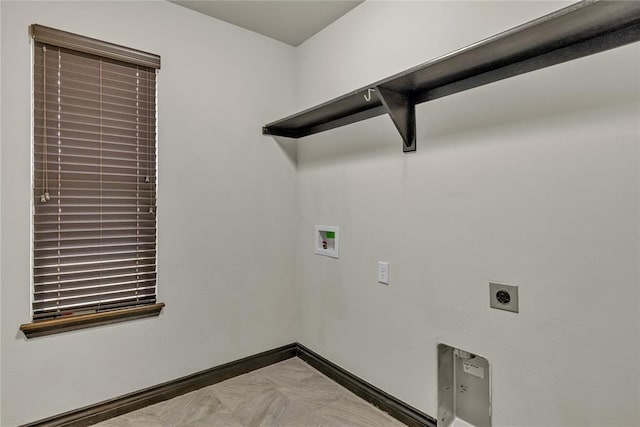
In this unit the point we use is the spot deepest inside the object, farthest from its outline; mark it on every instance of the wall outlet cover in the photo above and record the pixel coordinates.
(503, 297)
(383, 272)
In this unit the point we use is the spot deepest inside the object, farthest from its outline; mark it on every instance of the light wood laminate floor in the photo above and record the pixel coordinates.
(290, 393)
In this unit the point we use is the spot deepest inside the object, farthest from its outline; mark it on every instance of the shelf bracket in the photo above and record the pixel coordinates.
(402, 111)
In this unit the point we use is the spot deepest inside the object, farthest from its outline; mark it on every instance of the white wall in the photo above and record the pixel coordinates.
(0, 209)
(531, 181)
(226, 209)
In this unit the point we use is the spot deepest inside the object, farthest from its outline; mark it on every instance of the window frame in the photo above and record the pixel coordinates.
(101, 49)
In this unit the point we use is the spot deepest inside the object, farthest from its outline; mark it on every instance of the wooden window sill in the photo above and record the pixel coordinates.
(72, 323)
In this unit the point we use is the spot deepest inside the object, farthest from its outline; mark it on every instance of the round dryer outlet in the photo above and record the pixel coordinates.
(503, 297)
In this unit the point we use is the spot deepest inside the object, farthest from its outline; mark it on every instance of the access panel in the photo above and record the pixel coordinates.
(464, 388)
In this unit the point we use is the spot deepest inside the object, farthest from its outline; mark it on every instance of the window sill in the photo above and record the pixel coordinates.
(72, 323)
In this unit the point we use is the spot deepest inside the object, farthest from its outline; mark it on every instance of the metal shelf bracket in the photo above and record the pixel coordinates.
(402, 111)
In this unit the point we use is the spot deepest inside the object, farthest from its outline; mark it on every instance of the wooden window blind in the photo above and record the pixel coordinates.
(94, 175)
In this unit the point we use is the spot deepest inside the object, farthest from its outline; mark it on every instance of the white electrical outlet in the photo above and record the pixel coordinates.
(383, 272)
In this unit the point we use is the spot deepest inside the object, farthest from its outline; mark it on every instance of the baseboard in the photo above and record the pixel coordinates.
(102, 411)
(398, 409)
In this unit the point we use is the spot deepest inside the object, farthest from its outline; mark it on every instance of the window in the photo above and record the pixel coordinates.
(94, 180)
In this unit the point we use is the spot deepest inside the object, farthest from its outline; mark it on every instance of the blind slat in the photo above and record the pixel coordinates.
(66, 139)
(70, 104)
(110, 221)
(128, 238)
(69, 248)
(44, 290)
(95, 125)
(73, 265)
(92, 153)
(73, 66)
(88, 62)
(144, 290)
(107, 279)
(91, 165)
(92, 255)
(91, 85)
(102, 303)
(43, 270)
(99, 100)
(108, 134)
(142, 122)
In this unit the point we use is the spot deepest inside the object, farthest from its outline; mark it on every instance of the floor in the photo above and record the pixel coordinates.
(289, 393)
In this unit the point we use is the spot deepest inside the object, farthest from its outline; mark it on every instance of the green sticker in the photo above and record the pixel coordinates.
(331, 234)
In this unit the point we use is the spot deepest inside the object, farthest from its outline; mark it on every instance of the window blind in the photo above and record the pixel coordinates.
(95, 175)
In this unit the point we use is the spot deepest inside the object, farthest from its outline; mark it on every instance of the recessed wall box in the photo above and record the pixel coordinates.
(464, 388)
(326, 239)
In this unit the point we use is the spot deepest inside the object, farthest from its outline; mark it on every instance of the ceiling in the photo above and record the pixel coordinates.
(290, 21)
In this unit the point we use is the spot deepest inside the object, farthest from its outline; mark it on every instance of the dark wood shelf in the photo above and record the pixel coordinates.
(579, 30)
